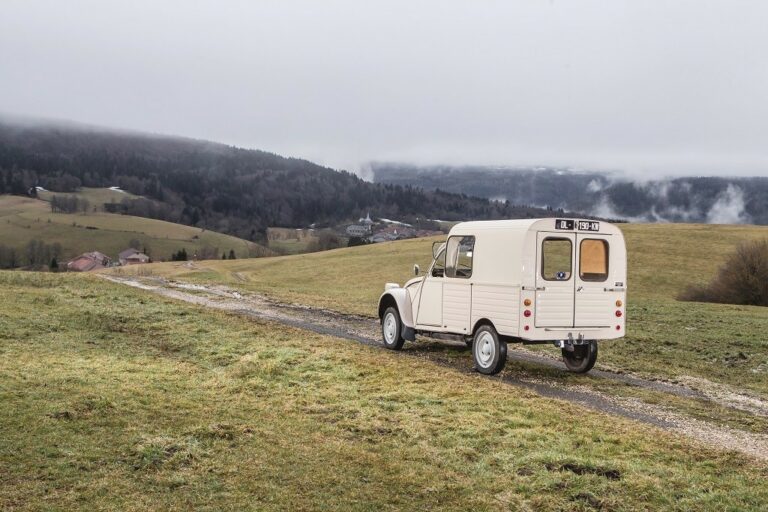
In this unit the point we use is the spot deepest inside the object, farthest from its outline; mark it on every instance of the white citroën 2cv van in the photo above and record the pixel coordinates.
(560, 281)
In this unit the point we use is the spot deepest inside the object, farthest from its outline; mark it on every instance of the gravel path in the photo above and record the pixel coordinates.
(365, 330)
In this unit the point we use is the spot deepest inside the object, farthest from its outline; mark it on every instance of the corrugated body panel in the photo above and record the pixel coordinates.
(594, 308)
(499, 304)
(554, 307)
(457, 299)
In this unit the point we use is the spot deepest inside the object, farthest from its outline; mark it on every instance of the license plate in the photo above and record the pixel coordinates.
(589, 225)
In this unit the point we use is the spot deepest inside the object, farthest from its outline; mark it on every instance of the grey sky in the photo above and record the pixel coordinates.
(662, 87)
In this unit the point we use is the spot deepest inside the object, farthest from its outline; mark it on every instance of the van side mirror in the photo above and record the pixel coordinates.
(416, 269)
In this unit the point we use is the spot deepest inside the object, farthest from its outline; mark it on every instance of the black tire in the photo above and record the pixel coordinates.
(392, 329)
(582, 359)
(488, 351)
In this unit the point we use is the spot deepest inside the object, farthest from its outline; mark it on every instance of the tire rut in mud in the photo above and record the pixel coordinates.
(366, 331)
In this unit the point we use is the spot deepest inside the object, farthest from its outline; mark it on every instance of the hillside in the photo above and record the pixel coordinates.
(117, 399)
(23, 220)
(716, 200)
(96, 198)
(236, 191)
(665, 338)
(352, 279)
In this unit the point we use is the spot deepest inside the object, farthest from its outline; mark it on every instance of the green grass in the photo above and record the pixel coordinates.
(665, 338)
(97, 197)
(286, 240)
(664, 259)
(24, 219)
(115, 399)
(289, 246)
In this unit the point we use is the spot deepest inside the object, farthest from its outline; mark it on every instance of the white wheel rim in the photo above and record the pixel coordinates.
(390, 328)
(485, 349)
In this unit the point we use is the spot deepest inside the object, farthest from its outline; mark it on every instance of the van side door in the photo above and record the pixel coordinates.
(555, 279)
(457, 288)
(594, 306)
(430, 310)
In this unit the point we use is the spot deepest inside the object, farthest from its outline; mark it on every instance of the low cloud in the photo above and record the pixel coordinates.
(729, 207)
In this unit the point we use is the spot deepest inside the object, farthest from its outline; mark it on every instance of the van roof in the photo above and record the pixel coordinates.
(496, 224)
(544, 224)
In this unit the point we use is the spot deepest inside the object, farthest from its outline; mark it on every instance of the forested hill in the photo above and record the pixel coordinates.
(228, 189)
(716, 200)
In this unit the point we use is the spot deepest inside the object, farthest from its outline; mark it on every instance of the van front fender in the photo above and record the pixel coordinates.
(399, 298)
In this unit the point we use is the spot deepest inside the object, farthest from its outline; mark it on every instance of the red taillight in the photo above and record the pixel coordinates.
(527, 327)
(618, 327)
(527, 313)
(618, 313)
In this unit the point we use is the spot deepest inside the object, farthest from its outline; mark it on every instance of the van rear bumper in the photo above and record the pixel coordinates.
(573, 333)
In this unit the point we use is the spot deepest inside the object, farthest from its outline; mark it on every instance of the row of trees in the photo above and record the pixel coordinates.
(69, 204)
(205, 253)
(35, 254)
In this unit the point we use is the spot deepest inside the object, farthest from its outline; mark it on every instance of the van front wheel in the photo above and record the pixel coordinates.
(392, 329)
(488, 351)
(582, 359)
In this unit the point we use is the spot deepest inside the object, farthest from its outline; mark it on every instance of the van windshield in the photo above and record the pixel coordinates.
(438, 269)
(460, 251)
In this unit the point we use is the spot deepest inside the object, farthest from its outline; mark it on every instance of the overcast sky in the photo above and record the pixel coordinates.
(667, 87)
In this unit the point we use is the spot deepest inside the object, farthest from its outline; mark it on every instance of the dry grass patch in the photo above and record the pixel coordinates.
(251, 415)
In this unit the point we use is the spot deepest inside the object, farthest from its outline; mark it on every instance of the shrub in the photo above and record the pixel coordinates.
(743, 279)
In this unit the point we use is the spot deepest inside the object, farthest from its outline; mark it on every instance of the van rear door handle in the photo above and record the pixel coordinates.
(580, 288)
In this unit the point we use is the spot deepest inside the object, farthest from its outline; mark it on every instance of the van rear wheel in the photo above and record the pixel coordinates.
(582, 359)
(392, 329)
(488, 351)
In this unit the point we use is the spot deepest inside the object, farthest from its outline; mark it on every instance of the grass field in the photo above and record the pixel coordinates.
(665, 338)
(115, 399)
(96, 197)
(287, 240)
(23, 219)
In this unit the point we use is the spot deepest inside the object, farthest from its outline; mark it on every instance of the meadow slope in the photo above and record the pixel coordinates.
(665, 338)
(23, 219)
(115, 399)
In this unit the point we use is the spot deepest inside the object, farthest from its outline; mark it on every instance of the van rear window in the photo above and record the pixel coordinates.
(593, 260)
(556, 254)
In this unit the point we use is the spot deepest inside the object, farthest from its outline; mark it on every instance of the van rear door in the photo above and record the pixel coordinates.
(555, 280)
(594, 301)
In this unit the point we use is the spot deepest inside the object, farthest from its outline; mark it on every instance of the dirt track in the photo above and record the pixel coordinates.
(365, 330)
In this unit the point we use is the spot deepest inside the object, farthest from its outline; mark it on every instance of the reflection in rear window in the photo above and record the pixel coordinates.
(593, 260)
(556, 259)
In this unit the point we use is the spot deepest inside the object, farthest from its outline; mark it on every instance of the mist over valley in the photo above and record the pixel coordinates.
(706, 199)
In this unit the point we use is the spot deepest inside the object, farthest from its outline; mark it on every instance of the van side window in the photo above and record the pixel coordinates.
(438, 269)
(593, 260)
(460, 252)
(556, 255)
